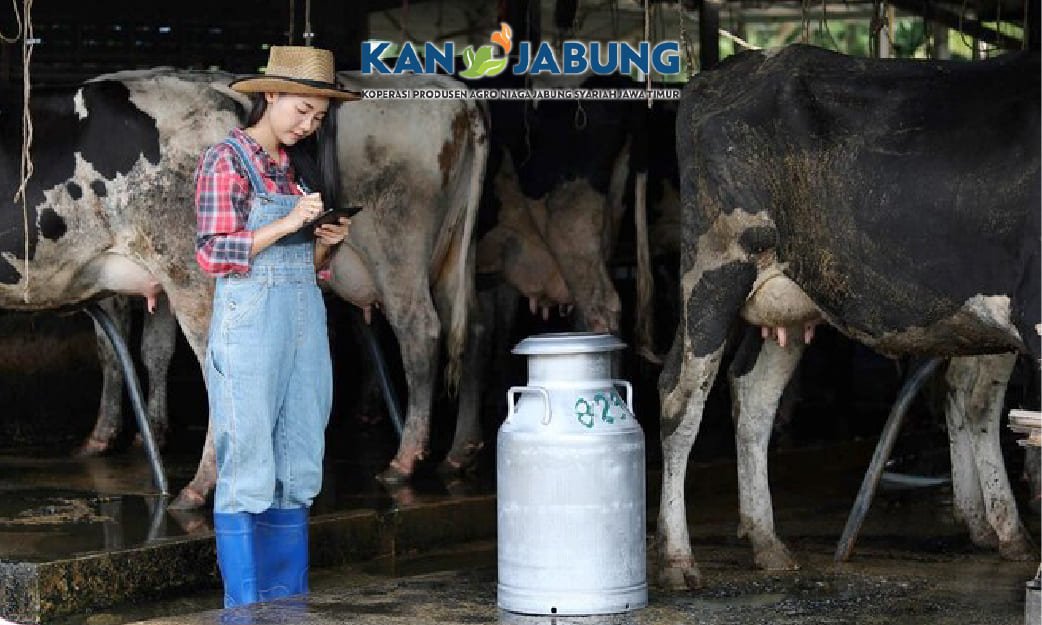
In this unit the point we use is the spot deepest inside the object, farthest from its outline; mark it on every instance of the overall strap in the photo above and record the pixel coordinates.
(251, 171)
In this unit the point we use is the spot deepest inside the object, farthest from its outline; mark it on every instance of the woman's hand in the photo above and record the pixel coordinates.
(331, 234)
(306, 209)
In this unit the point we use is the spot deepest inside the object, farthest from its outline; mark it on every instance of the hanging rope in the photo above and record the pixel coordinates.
(689, 55)
(969, 43)
(738, 40)
(805, 20)
(823, 25)
(26, 169)
(292, 18)
(308, 33)
(1024, 31)
(998, 25)
(580, 116)
(613, 6)
(405, 19)
(18, 29)
(881, 26)
(647, 35)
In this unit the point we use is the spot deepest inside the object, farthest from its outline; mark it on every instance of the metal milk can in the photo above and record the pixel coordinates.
(570, 475)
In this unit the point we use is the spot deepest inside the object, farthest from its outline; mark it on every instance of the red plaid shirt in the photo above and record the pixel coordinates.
(222, 202)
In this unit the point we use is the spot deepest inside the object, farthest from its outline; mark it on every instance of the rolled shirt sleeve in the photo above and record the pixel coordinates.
(222, 196)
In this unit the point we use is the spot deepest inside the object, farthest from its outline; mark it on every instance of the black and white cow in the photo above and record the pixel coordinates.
(895, 200)
(110, 198)
(111, 211)
(418, 167)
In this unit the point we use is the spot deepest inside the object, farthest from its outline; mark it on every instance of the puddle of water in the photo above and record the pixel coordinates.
(42, 525)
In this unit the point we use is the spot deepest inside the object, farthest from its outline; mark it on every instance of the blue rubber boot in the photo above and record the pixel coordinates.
(235, 556)
(282, 552)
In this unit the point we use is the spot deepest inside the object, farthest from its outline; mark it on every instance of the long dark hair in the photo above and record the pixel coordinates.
(314, 159)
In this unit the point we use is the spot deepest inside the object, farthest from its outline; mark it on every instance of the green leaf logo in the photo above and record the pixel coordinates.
(481, 64)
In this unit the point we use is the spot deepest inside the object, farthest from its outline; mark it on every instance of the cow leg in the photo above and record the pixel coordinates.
(192, 308)
(968, 503)
(755, 393)
(1032, 474)
(683, 400)
(714, 287)
(467, 442)
(158, 338)
(978, 390)
(416, 325)
(110, 409)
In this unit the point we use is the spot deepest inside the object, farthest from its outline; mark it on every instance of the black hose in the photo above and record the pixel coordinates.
(383, 375)
(882, 453)
(126, 364)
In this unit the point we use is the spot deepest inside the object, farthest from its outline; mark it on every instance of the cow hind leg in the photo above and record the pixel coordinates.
(759, 374)
(684, 400)
(968, 501)
(416, 325)
(158, 339)
(110, 408)
(467, 442)
(979, 400)
(712, 306)
(191, 308)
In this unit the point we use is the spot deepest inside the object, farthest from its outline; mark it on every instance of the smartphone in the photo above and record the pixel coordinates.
(332, 215)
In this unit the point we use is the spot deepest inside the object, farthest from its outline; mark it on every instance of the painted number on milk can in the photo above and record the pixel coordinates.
(586, 411)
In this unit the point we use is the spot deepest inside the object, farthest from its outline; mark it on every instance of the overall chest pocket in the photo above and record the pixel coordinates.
(242, 299)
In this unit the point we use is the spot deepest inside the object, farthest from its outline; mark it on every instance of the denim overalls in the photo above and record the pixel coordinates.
(268, 370)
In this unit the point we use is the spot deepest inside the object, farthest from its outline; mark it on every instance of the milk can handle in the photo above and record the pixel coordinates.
(629, 392)
(531, 389)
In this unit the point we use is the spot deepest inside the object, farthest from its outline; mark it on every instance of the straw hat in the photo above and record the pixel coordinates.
(301, 70)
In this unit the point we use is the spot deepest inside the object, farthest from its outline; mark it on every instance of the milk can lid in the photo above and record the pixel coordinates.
(567, 343)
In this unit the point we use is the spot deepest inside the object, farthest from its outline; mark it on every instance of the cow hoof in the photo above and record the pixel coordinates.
(1018, 550)
(680, 577)
(393, 475)
(191, 523)
(776, 558)
(460, 464)
(160, 440)
(90, 448)
(187, 499)
(449, 468)
(985, 538)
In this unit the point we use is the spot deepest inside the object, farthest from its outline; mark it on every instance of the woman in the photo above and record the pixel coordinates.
(268, 371)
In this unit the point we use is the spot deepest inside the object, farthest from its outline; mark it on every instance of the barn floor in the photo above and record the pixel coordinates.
(88, 532)
(912, 564)
(885, 585)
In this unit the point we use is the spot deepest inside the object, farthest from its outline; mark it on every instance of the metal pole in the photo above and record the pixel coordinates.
(130, 377)
(883, 448)
(709, 34)
(382, 373)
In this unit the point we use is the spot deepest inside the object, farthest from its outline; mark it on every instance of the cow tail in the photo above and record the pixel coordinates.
(645, 281)
(464, 295)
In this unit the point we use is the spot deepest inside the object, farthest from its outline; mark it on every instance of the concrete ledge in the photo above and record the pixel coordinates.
(36, 592)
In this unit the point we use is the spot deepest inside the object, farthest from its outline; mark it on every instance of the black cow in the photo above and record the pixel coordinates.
(895, 200)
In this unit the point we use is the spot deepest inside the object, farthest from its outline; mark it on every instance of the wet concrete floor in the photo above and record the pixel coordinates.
(912, 564)
(883, 586)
